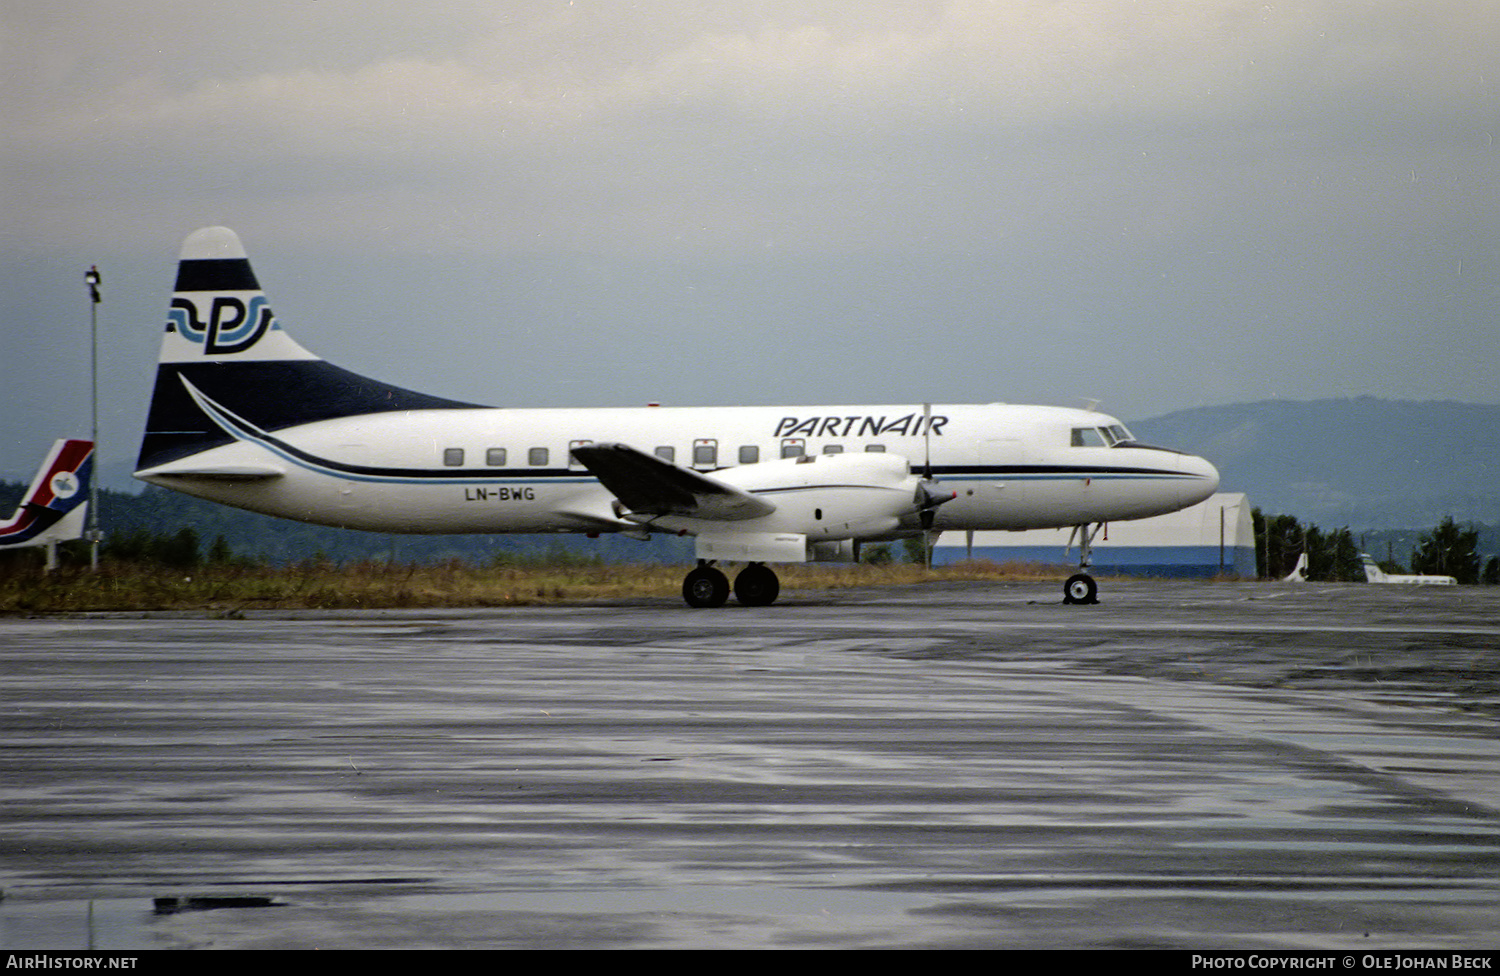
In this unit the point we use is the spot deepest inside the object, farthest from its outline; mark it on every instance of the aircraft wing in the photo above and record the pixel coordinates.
(648, 485)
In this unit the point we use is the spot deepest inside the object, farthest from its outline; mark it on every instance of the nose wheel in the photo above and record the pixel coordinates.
(1080, 587)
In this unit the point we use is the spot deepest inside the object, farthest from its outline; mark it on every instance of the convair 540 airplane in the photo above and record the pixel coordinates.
(245, 416)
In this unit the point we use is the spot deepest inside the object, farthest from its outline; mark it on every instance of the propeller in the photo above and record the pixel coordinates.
(928, 497)
(927, 441)
(928, 494)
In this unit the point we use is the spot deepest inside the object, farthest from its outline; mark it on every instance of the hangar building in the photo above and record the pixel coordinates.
(1213, 538)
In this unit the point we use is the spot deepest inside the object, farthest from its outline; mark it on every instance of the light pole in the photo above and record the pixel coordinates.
(93, 279)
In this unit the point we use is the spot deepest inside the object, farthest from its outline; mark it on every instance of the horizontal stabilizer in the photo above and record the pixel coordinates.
(648, 485)
(218, 472)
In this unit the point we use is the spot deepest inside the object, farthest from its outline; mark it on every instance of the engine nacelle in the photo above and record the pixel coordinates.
(831, 496)
(819, 501)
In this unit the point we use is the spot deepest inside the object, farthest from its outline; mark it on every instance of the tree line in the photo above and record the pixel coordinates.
(162, 528)
(1333, 555)
(1450, 549)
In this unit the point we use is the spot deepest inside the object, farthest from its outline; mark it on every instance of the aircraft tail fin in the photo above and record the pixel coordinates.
(223, 341)
(1373, 572)
(54, 506)
(1299, 571)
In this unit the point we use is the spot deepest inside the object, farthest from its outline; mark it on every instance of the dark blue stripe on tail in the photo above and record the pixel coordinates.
(216, 274)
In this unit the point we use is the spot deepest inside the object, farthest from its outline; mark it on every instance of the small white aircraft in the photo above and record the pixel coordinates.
(243, 415)
(55, 505)
(1374, 574)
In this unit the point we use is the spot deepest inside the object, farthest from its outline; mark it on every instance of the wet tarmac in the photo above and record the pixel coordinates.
(1185, 765)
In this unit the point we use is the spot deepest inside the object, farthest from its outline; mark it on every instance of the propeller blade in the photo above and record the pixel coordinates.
(929, 496)
(927, 441)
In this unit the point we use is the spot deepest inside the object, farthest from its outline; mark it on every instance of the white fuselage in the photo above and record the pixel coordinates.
(1374, 574)
(495, 470)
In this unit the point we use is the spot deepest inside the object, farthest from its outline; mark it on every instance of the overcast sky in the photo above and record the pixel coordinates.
(1155, 204)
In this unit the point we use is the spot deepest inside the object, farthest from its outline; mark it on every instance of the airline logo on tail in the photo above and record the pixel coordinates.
(218, 309)
(54, 506)
(233, 325)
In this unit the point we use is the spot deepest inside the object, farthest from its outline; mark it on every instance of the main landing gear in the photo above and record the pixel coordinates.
(1080, 587)
(755, 586)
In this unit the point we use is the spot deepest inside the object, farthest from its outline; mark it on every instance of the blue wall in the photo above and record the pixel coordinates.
(1180, 562)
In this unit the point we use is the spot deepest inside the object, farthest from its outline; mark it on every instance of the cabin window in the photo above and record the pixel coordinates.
(793, 447)
(705, 453)
(1088, 437)
(537, 457)
(833, 449)
(495, 457)
(667, 453)
(453, 457)
(874, 448)
(749, 454)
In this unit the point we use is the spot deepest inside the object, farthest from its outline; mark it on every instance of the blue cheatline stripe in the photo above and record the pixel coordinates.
(1055, 472)
(279, 394)
(243, 430)
(797, 488)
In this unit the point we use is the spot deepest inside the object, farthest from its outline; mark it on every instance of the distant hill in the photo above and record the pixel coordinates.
(1364, 463)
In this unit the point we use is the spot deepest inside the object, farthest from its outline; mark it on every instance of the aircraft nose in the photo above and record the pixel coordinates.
(1204, 481)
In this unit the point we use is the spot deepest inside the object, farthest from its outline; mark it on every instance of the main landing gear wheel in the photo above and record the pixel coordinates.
(1080, 588)
(705, 587)
(756, 586)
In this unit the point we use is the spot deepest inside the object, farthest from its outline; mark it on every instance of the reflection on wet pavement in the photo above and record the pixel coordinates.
(1184, 765)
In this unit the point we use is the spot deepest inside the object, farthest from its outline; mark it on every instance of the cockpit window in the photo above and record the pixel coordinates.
(1112, 436)
(1088, 437)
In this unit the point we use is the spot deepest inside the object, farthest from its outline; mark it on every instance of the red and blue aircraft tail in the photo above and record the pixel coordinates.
(55, 505)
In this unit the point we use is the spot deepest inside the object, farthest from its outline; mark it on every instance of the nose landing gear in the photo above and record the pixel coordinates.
(1080, 587)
